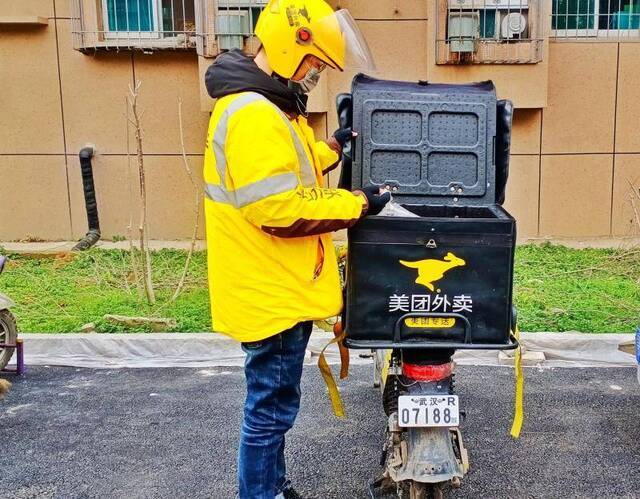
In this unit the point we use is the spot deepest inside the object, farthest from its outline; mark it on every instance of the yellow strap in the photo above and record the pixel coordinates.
(518, 413)
(325, 370)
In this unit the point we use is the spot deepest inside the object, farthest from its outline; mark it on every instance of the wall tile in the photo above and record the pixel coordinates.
(166, 77)
(384, 9)
(63, 8)
(43, 8)
(169, 193)
(34, 198)
(525, 138)
(524, 84)
(94, 88)
(624, 221)
(582, 86)
(628, 109)
(576, 195)
(522, 194)
(30, 115)
(171, 209)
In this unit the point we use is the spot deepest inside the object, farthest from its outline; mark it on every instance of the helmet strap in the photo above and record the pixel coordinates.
(299, 96)
(301, 104)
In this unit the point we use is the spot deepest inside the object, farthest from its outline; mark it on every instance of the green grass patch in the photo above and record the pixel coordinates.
(590, 290)
(62, 294)
(557, 289)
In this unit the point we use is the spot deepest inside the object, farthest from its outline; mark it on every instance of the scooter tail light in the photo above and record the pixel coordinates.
(429, 372)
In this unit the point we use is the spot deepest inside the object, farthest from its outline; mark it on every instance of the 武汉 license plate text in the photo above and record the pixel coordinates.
(428, 410)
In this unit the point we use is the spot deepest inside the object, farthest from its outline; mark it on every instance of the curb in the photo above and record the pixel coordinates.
(154, 350)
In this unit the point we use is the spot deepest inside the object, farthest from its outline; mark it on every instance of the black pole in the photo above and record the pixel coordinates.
(93, 235)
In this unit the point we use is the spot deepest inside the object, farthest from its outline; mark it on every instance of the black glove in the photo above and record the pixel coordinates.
(343, 135)
(375, 200)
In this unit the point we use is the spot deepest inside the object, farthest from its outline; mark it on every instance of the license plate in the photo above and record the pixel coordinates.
(428, 410)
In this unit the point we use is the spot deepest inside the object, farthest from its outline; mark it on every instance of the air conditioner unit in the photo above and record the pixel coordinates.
(464, 31)
(513, 26)
(232, 26)
(514, 5)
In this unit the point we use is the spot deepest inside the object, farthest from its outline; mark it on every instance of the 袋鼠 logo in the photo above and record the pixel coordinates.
(432, 270)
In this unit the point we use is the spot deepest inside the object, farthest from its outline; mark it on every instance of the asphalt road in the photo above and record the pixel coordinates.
(67, 432)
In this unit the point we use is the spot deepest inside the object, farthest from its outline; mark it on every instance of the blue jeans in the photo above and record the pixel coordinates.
(273, 368)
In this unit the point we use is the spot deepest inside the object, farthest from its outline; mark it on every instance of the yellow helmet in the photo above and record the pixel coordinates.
(290, 30)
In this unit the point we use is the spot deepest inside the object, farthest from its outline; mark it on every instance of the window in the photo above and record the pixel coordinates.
(130, 24)
(130, 18)
(489, 31)
(595, 18)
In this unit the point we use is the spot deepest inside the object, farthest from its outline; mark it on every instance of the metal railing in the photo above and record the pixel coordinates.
(489, 31)
(611, 20)
(134, 24)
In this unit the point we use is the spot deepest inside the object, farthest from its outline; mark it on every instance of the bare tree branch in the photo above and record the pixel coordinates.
(142, 226)
(132, 254)
(196, 205)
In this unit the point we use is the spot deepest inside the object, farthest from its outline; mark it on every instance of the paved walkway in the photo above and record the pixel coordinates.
(146, 433)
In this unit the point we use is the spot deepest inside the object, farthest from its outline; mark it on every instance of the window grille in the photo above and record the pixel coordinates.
(235, 23)
(595, 19)
(489, 31)
(134, 24)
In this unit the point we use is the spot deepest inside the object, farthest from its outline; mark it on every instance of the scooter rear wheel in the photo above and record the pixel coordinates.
(418, 490)
(8, 335)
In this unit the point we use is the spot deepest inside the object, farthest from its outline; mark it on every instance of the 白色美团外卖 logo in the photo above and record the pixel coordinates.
(429, 272)
(432, 270)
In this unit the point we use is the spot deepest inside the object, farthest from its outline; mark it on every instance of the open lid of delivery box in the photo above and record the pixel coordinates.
(428, 143)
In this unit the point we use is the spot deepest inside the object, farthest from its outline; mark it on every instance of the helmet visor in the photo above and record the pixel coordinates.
(338, 37)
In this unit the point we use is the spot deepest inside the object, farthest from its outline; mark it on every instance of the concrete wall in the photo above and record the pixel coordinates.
(576, 142)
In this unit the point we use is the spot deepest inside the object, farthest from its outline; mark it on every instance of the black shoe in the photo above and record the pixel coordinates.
(290, 493)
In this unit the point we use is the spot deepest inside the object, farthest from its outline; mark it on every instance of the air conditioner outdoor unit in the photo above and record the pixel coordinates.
(464, 31)
(513, 25)
(232, 26)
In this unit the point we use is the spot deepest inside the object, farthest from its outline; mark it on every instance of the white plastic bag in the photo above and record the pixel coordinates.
(393, 209)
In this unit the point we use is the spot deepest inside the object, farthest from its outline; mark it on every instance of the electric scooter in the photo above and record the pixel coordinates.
(420, 286)
(423, 453)
(8, 327)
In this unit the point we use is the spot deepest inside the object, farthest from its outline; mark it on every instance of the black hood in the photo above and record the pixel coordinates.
(234, 72)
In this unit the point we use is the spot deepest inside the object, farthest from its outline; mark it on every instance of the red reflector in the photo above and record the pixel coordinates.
(304, 35)
(431, 372)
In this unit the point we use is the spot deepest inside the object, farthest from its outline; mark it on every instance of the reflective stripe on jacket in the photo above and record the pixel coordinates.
(270, 254)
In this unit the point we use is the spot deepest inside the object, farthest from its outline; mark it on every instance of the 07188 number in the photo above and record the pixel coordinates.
(428, 410)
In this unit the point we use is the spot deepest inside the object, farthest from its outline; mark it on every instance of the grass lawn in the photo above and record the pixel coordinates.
(557, 289)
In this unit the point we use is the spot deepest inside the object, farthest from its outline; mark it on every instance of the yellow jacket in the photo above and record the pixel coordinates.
(270, 255)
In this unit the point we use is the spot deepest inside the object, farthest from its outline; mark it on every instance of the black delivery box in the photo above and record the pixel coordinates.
(443, 279)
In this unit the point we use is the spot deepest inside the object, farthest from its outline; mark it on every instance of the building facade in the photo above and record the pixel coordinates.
(66, 67)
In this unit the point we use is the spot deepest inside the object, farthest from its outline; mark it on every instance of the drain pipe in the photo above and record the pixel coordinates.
(93, 235)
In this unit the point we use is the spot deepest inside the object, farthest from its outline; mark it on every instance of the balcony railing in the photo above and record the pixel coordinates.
(134, 24)
(489, 31)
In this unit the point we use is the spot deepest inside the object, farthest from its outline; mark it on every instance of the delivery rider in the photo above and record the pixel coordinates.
(272, 266)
